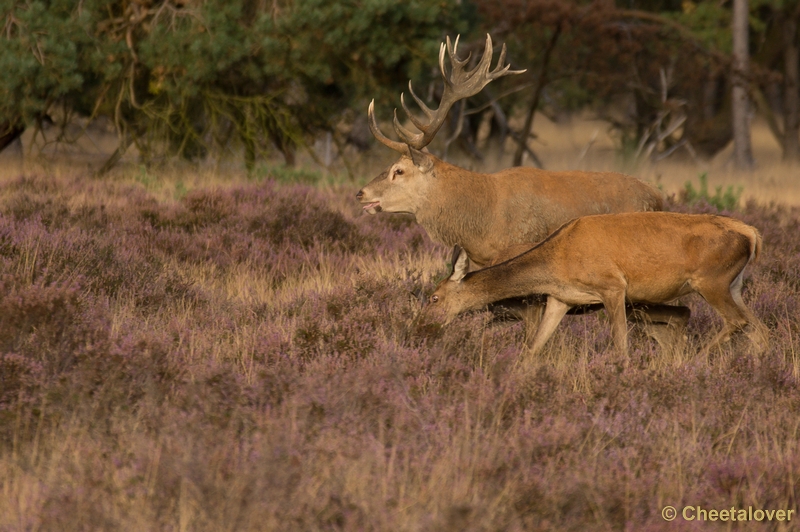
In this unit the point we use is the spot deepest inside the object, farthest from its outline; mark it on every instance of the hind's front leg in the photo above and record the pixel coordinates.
(553, 314)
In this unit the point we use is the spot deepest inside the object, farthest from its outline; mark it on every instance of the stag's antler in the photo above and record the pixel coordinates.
(459, 85)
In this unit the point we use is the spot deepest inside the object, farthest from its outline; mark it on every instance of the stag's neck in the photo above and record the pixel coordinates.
(526, 274)
(459, 208)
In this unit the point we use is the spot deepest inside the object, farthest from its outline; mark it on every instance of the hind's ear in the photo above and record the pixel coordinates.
(454, 257)
(460, 266)
(421, 159)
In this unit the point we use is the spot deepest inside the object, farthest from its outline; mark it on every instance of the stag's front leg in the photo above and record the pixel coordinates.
(526, 309)
(554, 312)
(666, 324)
(529, 310)
(532, 314)
(614, 303)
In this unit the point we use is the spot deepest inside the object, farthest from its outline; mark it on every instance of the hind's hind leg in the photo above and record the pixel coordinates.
(727, 301)
(756, 331)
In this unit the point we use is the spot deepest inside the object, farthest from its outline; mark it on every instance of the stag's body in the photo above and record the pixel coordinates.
(647, 258)
(487, 213)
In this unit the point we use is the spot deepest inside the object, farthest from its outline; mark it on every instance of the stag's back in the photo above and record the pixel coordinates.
(523, 205)
(538, 202)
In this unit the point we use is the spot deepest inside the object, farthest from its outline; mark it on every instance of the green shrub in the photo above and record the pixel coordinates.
(189, 78)
(724, 200)
(286, 174)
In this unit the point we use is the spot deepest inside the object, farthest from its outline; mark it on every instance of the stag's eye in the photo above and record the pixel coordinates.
(399, 171)
(434, 299)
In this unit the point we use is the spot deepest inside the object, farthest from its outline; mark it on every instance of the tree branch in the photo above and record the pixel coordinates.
(526, 129)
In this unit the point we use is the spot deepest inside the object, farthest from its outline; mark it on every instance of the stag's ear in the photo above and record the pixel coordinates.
(421, 159)
(460, 266)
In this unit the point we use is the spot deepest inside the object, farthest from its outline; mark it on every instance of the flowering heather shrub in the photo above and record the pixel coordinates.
(19, 376)
(109, 264)
(52, 323)
(50, 212)
(338, 324)
(253, 357)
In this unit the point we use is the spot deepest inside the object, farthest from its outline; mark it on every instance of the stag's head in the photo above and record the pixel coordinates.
(405, 184)
(452, 296)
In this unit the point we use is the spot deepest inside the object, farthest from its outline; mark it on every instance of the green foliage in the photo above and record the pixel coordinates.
(45, 55)
(180, 190)
(627, 146)
(710, 22)
(727, 199)
(286, 174)
(186, 78)
(231, 76)
(145, 178)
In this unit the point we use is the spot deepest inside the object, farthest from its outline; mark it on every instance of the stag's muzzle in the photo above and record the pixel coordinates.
(370, 206)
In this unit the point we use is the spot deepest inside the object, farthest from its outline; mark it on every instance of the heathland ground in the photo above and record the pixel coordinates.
(198, 350)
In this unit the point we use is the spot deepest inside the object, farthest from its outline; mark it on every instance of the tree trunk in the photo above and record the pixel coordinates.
(742, 149)
(9, 133)
(526, 129)
(791, 109)
(285, 146)
(122, 147)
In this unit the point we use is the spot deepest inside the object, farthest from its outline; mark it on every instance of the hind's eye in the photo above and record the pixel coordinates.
(399, 171)
(434, 299)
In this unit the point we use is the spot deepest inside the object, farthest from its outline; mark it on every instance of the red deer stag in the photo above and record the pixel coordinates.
(487, 213)
(647, 258)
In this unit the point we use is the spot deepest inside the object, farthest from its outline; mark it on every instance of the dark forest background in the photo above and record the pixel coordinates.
(253, 79)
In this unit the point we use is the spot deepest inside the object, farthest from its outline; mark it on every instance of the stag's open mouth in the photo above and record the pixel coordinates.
(372, 207)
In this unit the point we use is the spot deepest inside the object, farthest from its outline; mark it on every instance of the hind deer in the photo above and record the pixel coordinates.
(487, 213)
(614, 259)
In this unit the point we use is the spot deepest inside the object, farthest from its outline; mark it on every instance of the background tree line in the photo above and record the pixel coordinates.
(193, 78)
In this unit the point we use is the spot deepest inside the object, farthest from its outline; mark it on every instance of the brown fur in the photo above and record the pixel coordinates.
(648, 258)
(487, 213)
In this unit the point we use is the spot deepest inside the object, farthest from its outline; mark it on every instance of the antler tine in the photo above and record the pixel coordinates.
(482, 70)
(501, 70)
(442, 49)
(501, 59)
(383, 139)
(452, 52)
(414, 120)
(415, 140)
(456, 64)
(425, 109)
(467, 83)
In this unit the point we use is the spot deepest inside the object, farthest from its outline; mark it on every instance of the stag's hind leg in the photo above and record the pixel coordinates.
(529, 310)
(666, 324)
(727, 301)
